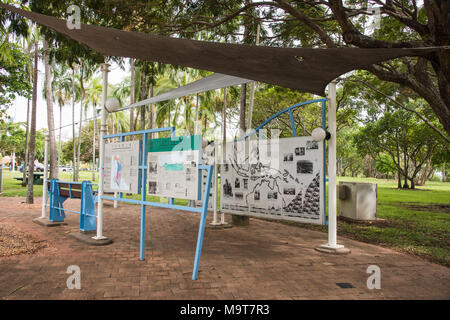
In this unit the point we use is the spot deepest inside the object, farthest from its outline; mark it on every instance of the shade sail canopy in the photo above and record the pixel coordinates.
(212, 82)
(305, 69)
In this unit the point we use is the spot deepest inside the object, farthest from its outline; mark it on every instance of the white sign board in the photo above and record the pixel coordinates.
(173, 167)
(280, 178)
(121, 167)
(208, 158)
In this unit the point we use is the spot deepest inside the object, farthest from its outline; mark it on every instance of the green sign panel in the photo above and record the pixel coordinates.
(175, 144)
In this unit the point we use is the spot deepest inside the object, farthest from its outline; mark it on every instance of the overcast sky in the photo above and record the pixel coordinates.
(18, 111)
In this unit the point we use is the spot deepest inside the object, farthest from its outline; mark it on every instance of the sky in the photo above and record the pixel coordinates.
(18, 110)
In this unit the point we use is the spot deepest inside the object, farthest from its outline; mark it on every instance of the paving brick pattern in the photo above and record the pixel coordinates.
(264, 260)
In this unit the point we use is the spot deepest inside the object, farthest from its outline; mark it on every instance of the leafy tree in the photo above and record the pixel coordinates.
(14, 76)
(348, 158)
(13, 136)
(409, 144)
(317, 24)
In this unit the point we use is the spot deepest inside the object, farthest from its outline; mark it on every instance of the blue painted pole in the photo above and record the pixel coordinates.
(201, 229)
(143, 196)
(291, 117)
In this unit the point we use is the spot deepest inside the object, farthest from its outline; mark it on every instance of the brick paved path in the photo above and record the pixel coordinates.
(265, 260)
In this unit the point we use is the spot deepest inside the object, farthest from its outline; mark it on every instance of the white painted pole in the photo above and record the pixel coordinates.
(332, 246)
(116, 203)
(44, 184)
(1, 176)
(99, 236)
(252, 89)
(332, 242)
(13, 161)
(214, 181)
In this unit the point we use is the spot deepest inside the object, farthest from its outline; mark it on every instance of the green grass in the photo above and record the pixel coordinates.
(13, 187)
(410, 220)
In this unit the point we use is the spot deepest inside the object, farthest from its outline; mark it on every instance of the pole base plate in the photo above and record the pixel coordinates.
(336, 249)
(88, 239)
(219, 225)
(47, 223)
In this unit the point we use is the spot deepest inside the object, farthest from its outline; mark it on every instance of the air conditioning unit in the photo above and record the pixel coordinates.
(358, 200)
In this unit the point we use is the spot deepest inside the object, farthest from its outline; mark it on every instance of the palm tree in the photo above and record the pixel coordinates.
(28, 43)
(50, 117)
(61, 87)
(132, 92)
(74, 160)
(94, 93)
(32, 149)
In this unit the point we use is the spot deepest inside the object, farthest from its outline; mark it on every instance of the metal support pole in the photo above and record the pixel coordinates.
(99, 236)
(13, 161)
(116, 204)
(324, 127)
(332, 166)
(215, 222)
(1, 176)
(143, 195)
(44, 184)
(201, 228)
(332, 199)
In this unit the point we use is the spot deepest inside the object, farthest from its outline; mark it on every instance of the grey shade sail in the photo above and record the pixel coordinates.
(212, 82)
(305, 69)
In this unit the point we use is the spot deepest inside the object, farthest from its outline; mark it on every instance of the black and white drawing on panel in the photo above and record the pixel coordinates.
(288, 157)
(153, 167)
(300, 151)
(152, 187)
(312, 145)
(283, 187)
(305, 166)
(227, 189)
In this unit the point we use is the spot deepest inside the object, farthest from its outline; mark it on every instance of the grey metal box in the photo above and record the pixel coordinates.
(358, 200)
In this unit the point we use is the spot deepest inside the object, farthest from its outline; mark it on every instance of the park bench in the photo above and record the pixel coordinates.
(60, 191)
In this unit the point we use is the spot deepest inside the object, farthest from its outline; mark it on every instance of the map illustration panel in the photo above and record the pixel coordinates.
(280, 178)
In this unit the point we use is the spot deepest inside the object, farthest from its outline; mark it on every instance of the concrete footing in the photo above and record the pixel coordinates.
(86, 237)
(47, 223)
(339, 249)
(219, 226)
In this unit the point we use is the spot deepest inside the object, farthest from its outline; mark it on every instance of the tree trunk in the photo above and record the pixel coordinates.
(74, 159)
(50, 114)
(25, 163)
(413, 184)
(444, 176)
(143, 96)
(197, 125)
(94, 114)
(32, 148)
(242, 108)
(80, 127)
(132, 88)
(59, 144)
(224, 125)
(151, 116)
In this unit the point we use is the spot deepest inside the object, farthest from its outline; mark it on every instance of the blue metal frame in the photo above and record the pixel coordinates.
(143, 189)
(88, 220)
(294, 133)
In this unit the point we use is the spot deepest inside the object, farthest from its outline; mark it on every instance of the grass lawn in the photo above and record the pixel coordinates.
(412, 221)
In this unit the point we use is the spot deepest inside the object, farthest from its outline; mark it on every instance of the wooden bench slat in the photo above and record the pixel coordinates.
(67, 193)
(69, 186)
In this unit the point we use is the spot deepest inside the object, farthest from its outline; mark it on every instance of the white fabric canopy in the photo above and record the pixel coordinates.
(212, 82)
